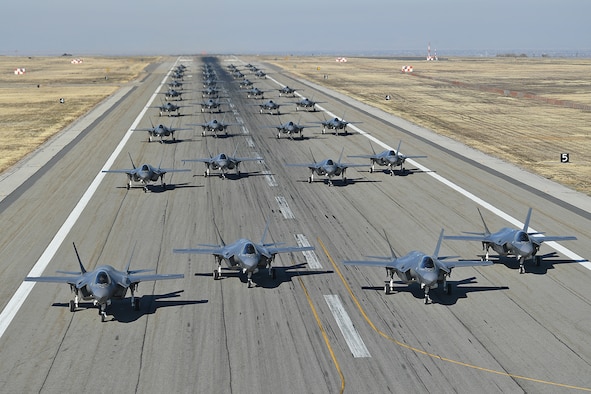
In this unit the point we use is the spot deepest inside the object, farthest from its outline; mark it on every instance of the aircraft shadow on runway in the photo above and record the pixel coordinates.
(262, 278)
(122, 312)
(549, 260)
(232, 175)
(338, 182)
(160, 189)
(438, 296)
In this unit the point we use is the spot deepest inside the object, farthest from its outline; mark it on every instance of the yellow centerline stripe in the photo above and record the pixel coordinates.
(324, 335)
(420, 351)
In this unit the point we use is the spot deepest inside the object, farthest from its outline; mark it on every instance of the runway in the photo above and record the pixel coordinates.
(319, 327)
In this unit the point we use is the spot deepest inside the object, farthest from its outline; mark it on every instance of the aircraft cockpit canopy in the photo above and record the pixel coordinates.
(249, 248)
(223, 157)
(427, 263)
(522, 237)
(391, 153)
(145, 167)
(102, 278)
(330, 162)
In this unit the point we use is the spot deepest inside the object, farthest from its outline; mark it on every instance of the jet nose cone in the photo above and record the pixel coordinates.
(430, 279)
(101, 295)
(526, 249)
(250, 262)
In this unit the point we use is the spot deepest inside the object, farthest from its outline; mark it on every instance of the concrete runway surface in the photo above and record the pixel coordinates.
(319, 327)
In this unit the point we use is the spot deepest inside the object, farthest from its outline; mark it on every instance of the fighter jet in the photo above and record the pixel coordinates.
(211, 105)
(161, 131)
(328, 168)
(245, 255)
(256, 93)
(103, 284)
(307, 104)
(223, 162)
(245, 83)
(512, 242)
(260, 74)
(388, 158)
(335, 124)
(237, 74)
(287, 91)
(210, 91)
(290, 128)
(145, 174)
(175, 85)
(270, 106)
(173, 94)
(209, 82)
(428, 271)
(169, 108)
(213, 125)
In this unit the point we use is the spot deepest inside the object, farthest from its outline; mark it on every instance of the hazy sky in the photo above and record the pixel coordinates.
(122, 27)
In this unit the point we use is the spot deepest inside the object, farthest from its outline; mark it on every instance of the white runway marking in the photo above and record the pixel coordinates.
(25, 288)
(344, 322)
(270, 178)
(310, 256)
(284, 208)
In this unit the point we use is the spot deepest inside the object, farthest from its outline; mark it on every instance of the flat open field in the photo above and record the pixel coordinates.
(30, 108)
(524, 110)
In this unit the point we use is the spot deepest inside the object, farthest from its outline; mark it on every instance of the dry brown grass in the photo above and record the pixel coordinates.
(507, 107)
(30, 111)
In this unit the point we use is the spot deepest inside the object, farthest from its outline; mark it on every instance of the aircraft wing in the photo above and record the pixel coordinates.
(545, 238)
(247, 158)
(72, 280)
(129, 171)
(481, 238)
(395, 264)
(289, 249)
(165, 170)
(217, 251)
(365, 156)
(204, 160)
(135, 278)
(311, 166)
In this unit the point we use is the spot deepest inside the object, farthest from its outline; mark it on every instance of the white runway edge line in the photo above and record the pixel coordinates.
(554, 245)
(25, 288)
(356, 344)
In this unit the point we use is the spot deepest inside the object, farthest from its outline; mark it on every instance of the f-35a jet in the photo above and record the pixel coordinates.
(428, 271)
(388, 158)
(335, 124)
(214, 125)
(161, 131)
(327, 167)
(245, 255)
(169, 108)
(224, 163)
(290, 128)
(270, 106)
(286, 90)
(306, 104)
(211, 105)
(173, 94)
(512, 242)
(103, 284)
(145, 174)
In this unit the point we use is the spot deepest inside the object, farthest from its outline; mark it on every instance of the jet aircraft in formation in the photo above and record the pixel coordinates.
(287, 91)
(307, 104)
(103, 284)
(290, 128)
(223, 162)
(427, 270)
(145, 174)
(214, 126)
(161, 131)
(328, 168)
(388, 158)
(512, 242)
(245, 256)
(335, 124)
(270, 106)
